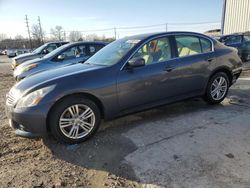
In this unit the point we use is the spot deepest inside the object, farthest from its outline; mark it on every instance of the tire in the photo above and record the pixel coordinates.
(211, 96)
(65, 124)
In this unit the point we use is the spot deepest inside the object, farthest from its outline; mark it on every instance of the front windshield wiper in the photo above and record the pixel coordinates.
(86, 62)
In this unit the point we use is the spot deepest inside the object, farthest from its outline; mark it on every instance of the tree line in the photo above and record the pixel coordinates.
(39, 37)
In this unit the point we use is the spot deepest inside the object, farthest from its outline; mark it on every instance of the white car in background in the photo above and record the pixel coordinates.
(16, 52)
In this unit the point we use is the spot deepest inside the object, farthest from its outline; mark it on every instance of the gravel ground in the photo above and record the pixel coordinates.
(33, 163)
(188, 144)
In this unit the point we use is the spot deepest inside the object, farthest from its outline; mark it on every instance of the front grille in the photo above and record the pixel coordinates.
(10, 101)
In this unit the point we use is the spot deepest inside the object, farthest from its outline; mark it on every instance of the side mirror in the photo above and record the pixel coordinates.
(136, 62)
(61, 57)
(45, 51)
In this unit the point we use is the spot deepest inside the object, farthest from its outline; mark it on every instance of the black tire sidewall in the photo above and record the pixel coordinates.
(208, 96)
(59, 108)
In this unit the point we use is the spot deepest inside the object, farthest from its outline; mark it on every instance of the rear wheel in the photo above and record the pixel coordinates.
(217, 88)
(74, 120)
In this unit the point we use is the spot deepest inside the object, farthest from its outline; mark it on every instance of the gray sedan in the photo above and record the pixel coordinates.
(67, 54)
(128, 75)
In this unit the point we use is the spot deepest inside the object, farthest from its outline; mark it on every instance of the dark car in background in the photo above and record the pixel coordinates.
(37, 53)
(241, 41)
(68, 54)
(128, 75)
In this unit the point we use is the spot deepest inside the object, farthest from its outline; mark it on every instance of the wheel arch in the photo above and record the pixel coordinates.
(225, 70)
(92, 97)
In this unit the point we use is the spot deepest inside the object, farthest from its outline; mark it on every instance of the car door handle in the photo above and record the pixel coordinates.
(210, 59)
(168, 69)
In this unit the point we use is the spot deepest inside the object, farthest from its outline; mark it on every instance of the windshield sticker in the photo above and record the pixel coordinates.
(133, 41)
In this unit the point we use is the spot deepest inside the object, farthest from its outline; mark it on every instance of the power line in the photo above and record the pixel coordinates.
(116, 30)
(148, 26)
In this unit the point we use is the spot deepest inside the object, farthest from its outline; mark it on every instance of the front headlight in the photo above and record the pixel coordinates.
(32, 99)
(14, 63)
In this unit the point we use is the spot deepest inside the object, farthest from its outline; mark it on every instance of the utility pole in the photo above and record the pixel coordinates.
(28, 29)
(41, 31)
(64, 35)
(166, 27)
(115, 32)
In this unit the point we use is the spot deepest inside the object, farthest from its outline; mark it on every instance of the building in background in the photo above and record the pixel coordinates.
(213, 32)
(236, 16)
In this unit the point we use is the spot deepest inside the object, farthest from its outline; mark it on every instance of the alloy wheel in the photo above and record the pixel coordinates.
(218, 88)
(77, 121)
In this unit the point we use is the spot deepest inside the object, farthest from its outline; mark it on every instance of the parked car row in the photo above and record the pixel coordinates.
(67, 54)
(125, 76)
(13, 52)
(37, 53)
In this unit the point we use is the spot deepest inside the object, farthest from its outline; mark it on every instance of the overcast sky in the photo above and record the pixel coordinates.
(101, 14)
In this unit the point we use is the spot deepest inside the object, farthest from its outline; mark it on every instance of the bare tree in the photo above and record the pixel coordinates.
(37, 33)
(57, 33)
(75, 36)
(3, 36)
(92, 37)
(19, 37)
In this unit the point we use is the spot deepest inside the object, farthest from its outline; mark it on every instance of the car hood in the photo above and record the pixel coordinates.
(24, 55)
(36, 80)
(33, 61)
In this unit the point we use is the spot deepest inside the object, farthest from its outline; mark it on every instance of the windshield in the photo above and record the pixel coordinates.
(39, 49)
(113, 52)
(54, 52)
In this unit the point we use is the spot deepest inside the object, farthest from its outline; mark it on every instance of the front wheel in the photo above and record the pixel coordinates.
(217, 88)
(74, 120)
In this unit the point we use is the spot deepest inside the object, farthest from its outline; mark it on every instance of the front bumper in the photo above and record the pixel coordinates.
(28, 122)
(18, 76)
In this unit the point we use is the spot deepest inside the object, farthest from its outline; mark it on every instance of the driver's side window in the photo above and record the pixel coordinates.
(155, 51)
(50, 48)
(70, 53)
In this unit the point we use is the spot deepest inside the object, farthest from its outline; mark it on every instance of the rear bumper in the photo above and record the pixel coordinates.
(236, 74)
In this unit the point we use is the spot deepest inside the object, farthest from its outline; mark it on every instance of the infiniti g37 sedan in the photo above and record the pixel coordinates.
(65, 55)
(128, 75)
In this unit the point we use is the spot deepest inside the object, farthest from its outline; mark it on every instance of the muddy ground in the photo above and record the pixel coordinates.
(187, 144)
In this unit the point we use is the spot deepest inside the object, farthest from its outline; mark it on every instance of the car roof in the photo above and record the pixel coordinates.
(150, 35)
(86, 42)
(89, 42)
(57, 42)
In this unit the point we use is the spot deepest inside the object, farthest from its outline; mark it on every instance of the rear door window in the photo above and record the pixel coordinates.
(206, 45)
(188, 45)
(81, 51)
